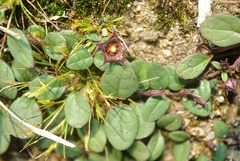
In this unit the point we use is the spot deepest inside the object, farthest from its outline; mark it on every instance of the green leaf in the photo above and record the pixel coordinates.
(119, 81)
(93, 36)
(175, 83)
(221, 30)
(121, 127)
(216, 65)
(55, 46)
(145, 127)
(112, 155)
(47, 87)
(181, 151)
(220, 153)
(192, 66)
(179, 136)
(196, 110)
(140, 67)
(20, 49)
(80, 60)
(77, 110)
(4, 133)
(71, 38)
(224, 76)
(81, 158)
(23, 74)
(37, 31)
(139, 151)
(69, 152)
(157, 76)
(154, 108)
(204, 90)
(220, 129)
(98, 138)
(44, 143)
(202, 157)
(170, 122)
(6, 80)
(28, 110)
(156, 146)
(98, 61)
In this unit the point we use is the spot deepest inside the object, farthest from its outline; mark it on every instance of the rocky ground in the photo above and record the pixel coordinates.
(170, 45)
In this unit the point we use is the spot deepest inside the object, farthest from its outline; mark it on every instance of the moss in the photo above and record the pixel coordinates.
(171, 12)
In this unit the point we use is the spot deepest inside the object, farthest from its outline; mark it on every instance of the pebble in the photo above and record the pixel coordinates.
(104, 32)
(167, 53)
(220, 99)
(149, 36)
(138, 8)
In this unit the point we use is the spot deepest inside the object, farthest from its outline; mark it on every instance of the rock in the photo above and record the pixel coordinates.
(104, 32)
(149, 36)
(167, 53)
(138, 8)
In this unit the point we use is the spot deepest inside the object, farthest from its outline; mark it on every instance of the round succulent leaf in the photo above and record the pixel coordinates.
(98, 138)
(220, 153)
(181, 151)
(216, 65)
(23, 74)
(175, 83)
(204, 90)
(170, 122)
(98, 61)
(221, 30)
(6, 80)
(156, 146)
(4, 133)
(121, 127)
(36, 31)
(47, 87)
(154, 108)
(139, 151)
(80, 60)
(113, 155)
(179, 136)
(140, 68)
(69, 152)
(71, 38)
(28, 110)
(93, 36)
(96, 156)
(77, 110)
(55, 46)
(220, 129)
(44, 143)
(81, 159)
(119, 81)
(145, 127)
(202, 157)
(20, 49)
(196, 110)
(157, 76)
(192, 66)
(224, 76)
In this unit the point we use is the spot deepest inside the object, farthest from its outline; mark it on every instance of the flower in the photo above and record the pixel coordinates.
(235, 65)
(114, 49)
(231, 85)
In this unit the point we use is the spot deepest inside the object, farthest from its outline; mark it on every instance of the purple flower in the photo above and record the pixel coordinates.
(114, 49)
(231, 85)
(235, 65)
